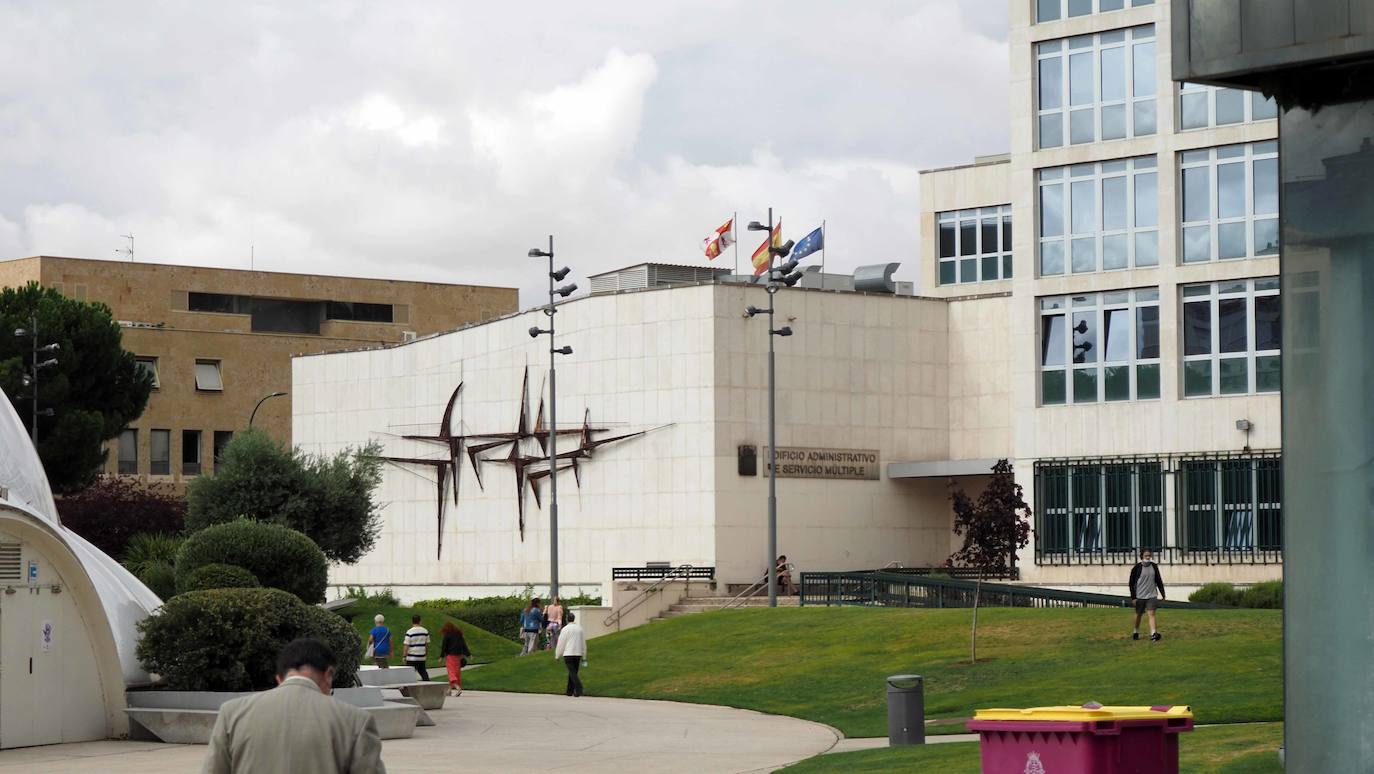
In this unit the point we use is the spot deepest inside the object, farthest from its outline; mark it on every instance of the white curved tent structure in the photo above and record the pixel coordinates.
(68, 613)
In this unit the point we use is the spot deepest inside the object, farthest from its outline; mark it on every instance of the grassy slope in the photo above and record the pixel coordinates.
(1245, 749)
(829, 664)
(485, 646)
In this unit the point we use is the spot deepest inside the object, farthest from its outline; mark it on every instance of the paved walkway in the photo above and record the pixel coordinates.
(502, 732)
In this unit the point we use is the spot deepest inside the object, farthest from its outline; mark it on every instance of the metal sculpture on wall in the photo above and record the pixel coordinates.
(529, 469)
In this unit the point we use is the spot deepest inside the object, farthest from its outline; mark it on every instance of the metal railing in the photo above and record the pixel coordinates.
(682, 572)
(645, 573)
(968, 573)
(887, 589)
(1165, 555)
(757, 586)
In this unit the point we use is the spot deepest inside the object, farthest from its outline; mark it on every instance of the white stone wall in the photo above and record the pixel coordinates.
(640, 361)
(861, 372)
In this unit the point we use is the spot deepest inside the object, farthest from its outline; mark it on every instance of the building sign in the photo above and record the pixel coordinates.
(850, 464)
(33, 573)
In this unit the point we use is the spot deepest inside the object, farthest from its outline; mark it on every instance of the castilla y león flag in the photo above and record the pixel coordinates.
(762, 259)
(721, 239)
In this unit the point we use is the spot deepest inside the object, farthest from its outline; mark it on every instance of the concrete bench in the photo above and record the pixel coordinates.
(395, 720)
(175, 717)
(407, 681)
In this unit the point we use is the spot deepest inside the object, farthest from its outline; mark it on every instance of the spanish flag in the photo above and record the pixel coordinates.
(762, 258)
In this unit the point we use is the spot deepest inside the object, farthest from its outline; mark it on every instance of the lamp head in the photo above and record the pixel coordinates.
(537, 253)
(1081, 327)
(754, 225)
(783, 249)
(1244, 425)
(792, 279)
(535, 330)
(567, 290)
(785, 330)
(564, 350)
(752, 310)
(560, 274)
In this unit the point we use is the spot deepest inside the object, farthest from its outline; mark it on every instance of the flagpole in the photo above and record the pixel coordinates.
(733, 223)
(822, 253)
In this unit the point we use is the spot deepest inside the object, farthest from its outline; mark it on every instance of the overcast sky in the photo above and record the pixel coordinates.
(441, 140)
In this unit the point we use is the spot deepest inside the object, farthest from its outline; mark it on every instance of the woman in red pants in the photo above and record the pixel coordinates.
(455, 652)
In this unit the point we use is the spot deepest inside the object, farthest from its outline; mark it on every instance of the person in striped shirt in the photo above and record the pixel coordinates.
(417, 647)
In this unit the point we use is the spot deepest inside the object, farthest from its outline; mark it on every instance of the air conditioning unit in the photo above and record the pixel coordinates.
(409, 335)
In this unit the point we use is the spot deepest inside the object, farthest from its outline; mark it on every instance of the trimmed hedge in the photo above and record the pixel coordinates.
(498, 615)
(279, 557)
(228, 639)
(160, 579)
(219, 576)
(1266, 595)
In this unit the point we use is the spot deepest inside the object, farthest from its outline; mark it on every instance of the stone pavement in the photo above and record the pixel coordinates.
(502, 732)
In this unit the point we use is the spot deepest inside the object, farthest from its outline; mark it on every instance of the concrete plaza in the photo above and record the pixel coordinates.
(500, 732)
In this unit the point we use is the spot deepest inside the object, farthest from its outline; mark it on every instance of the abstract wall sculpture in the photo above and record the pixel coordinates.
(484, 448)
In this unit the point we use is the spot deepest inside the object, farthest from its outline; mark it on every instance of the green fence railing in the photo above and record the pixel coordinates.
(887, 589)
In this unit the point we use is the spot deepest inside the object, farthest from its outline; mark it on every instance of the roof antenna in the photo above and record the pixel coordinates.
(129, 251)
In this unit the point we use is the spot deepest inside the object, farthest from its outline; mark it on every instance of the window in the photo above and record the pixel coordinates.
(1049, 10)
(148, 365)
(1202, 106)
(128, 452)
(190, 452)
(1229, 202)
(1099, 347)
(1091, 88)
(222, 439)
(220, 303)
(1231, 337)
(208, 376)
(1231, 504)
(1099, 217)
(974, 245)
(160, 452)
(1111, 509)
(361, 312)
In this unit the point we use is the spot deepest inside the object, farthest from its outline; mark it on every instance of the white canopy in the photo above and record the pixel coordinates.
(125, 599)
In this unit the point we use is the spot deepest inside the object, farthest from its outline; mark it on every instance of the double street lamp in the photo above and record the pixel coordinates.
(30, 377)
(784, 275)
(535, 332)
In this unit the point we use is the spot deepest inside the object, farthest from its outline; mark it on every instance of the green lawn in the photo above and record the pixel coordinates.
(1243, 749)
(828, 664)
(485, 646)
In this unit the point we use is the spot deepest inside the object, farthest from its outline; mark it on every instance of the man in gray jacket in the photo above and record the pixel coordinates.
(296, 727)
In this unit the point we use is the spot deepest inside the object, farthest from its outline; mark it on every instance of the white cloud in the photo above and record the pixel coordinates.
(440, 141)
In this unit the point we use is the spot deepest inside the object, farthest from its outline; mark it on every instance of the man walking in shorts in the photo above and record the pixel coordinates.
(1147, 590)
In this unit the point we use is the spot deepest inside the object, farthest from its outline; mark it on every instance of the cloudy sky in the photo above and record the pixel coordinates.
(441, 140)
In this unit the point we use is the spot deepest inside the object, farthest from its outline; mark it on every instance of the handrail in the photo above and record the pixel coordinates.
(754, 588)
(682, 571)
(901, 590)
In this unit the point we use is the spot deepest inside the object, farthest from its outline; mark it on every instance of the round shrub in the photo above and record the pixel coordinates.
(228, 639)
(1267, 595)
(1216, 594)
(219, 576)
(279, 557)
(160, 579)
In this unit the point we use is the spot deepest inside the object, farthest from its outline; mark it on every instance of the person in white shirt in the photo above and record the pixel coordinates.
(572, 648)
(417, 647)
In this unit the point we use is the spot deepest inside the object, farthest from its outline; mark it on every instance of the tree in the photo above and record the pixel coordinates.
(95, 389)
(327, 498)
(114, 509)
(994, 528)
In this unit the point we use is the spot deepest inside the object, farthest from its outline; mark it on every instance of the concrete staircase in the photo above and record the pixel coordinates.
(705, 604)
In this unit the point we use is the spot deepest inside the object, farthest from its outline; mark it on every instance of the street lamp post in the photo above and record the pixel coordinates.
(261, 401)
(778, 277)
(31, 376)
(535, 332)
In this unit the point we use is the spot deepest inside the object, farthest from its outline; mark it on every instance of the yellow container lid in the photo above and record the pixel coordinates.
(1085, 714)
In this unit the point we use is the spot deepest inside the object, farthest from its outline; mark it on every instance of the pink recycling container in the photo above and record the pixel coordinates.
(1091, 739)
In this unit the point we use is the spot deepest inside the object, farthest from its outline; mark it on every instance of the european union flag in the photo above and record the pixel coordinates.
(813, 242)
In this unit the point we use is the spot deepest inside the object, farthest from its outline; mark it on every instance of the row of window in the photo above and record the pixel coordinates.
(160, 451)
(209, 374)
(1050, 10)
(1091, 88)
(975, 245)
(1100, 347)
(1114, 509)
(285, 315)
